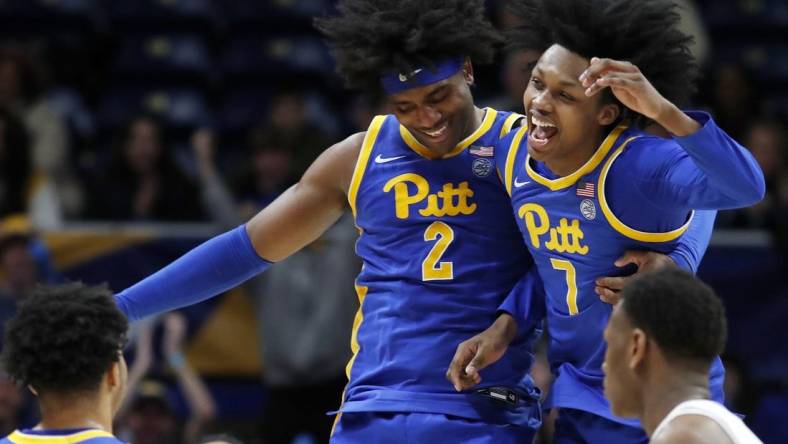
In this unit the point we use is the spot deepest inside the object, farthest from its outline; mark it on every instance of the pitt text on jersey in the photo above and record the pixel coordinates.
(567, 237)
(450, 201)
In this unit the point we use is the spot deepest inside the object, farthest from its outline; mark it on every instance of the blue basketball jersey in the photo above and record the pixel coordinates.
(440, 252)
(73, 436)
(575, 238)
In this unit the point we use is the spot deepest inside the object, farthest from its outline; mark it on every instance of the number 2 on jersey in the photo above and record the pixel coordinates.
(431, 268)
(571, 282)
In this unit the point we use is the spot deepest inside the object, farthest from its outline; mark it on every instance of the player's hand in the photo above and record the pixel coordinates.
(479, 352)
(609, 288)
(627, 83)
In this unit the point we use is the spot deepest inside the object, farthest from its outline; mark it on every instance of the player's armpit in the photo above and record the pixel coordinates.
(306, 210)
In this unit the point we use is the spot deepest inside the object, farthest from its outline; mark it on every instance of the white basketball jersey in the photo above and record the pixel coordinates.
(736, 430)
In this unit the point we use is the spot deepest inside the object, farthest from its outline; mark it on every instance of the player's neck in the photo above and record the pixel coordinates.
(75, 412)
(574, 159)
(568, 165)
(667, 390)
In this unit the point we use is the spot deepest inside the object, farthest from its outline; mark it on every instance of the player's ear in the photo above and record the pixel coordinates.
(608, 114)
(467, 71)
(638, 348)
(113, 374)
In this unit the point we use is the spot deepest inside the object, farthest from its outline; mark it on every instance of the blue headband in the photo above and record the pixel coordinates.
(394, 83)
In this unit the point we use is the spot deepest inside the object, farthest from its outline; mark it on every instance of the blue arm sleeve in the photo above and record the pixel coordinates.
(728, 166)
(693, 243)
(211, 268)
(717, 172)
(669, 177)
(526, 302)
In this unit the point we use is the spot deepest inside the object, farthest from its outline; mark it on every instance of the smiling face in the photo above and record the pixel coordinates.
(439, 115)
(565, 126)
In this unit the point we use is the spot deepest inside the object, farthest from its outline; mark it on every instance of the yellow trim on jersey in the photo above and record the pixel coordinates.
(361, 291)
(415, 145)
(24, 438)
(509, 123)
(593, 162)
(339, 413)
(511, 156)
(336, 420)
(363, 160)
(619, 226)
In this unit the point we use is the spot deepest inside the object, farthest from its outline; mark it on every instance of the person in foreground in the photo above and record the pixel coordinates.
(661, 341)
(65, 345)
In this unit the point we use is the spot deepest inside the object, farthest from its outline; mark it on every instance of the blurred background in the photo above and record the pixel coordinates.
(132, 130)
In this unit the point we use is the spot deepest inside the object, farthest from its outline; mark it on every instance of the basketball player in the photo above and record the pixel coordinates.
(587, 183)
(441, 250)
(65, 345)
(661, 341)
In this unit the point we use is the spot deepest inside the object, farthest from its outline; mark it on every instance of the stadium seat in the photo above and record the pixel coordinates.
(183, 15)
(163, 56)
(243, 108)
(725, 14)
(277, 55)
(176, 107)
(768, 61)
(239, 12)
(41, 17)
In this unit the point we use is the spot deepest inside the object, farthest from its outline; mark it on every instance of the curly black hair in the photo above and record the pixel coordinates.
(64, 338)
(679, 312)
(373, 37)
(643, 32)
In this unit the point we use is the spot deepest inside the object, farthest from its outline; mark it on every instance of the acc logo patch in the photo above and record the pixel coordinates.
(588, 209)
(482, 167)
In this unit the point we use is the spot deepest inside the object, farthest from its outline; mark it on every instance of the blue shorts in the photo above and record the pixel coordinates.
(579, 427)
(397, 428)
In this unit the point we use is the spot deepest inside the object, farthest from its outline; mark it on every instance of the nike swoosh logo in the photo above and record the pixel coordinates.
(380, 159)
(520, 184)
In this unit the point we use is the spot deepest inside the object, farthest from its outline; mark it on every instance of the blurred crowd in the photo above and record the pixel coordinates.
(142, 129)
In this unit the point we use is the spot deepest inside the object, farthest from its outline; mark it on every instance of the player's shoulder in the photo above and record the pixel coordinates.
(643, 153)
(510, 142)
(351, 146)
(692, 429)
(348, 148)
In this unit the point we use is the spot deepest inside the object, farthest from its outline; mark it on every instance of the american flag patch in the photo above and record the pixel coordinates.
(483, 151)
(585, 189)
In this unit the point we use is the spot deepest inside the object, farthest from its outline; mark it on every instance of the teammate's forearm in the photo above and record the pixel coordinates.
(213, 267)
(693, 243)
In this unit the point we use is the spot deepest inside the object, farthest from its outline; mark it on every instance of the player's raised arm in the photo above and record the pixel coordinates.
(712, 171)
(298, 217)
